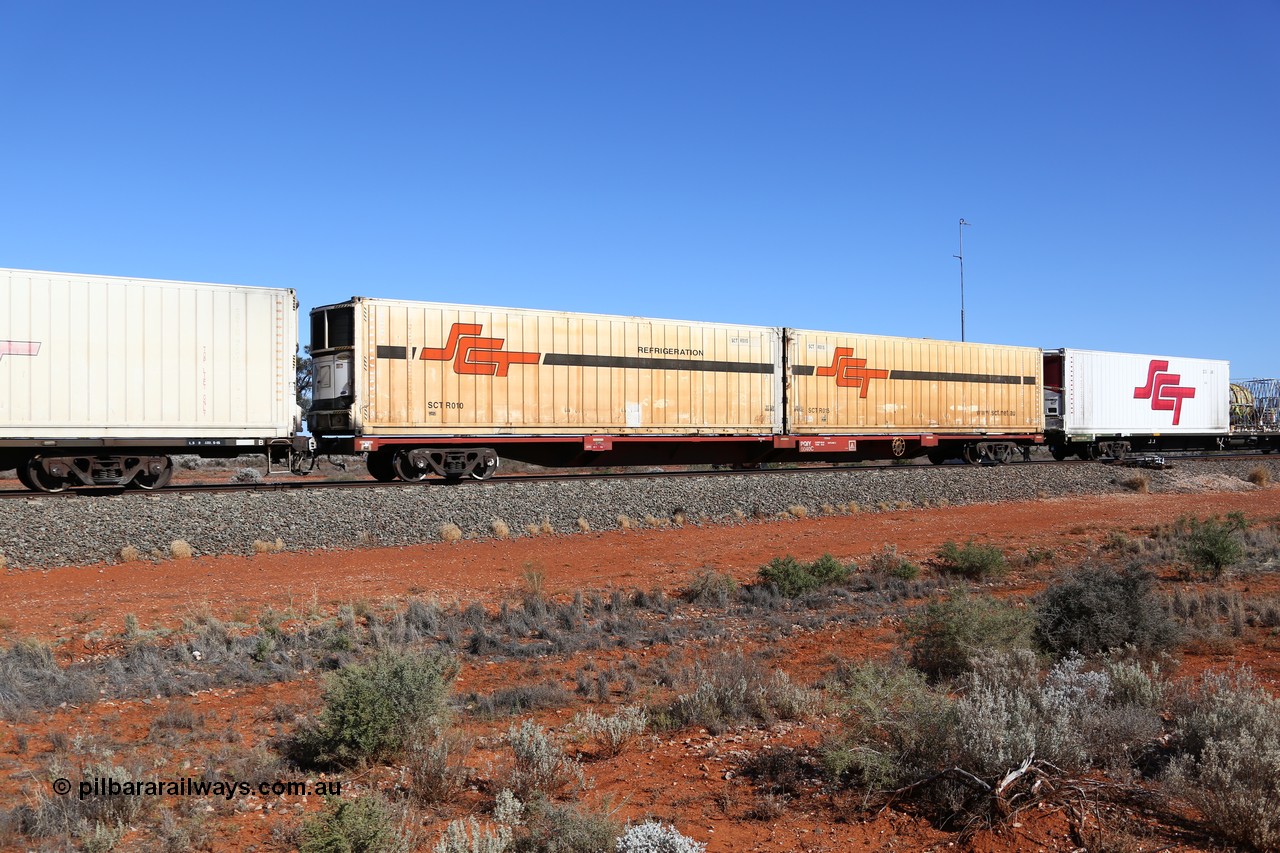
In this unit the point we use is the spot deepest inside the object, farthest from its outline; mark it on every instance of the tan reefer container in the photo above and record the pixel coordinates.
(441, 369)
(847, 383)
(87, 357)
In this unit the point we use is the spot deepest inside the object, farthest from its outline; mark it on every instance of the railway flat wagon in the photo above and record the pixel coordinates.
(887, 397)
(439, 388)
(101, 378)
(1106, 404)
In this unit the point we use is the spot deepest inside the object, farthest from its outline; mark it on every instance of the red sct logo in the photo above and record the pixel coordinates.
(1163, 390)
(18, 348)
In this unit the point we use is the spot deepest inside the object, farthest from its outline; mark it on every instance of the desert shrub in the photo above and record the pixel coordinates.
(509, 701)
(30, 678)
(889, 564)
(1260, 476)
(945, 634)
(793, 577)
(614, 733)
(1097, 609)
(539, 764)
(246, 475)
(469, 836)
(971, 560)
(1210, 546)
(373, 710)
(710, 588)
(1228, 737)
(731, 689)
(547, 827)
(955, 751)
(363, 825)
(438, 769)
(654, 837)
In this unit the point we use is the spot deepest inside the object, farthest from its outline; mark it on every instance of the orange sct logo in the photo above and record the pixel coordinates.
(851, 372)
(475, 355)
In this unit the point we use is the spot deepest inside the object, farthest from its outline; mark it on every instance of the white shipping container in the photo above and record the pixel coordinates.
(389, 367)
(1120, 394)
(100, 357)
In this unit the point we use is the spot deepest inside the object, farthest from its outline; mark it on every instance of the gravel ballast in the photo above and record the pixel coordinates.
(41, 532)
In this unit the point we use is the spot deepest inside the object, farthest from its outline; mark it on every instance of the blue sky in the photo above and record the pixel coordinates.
(801, 164)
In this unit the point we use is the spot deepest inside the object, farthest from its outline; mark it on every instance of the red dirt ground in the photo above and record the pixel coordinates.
(681, 777)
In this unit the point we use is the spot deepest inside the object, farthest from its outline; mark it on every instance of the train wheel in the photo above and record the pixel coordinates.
(972, 454)
(1087, 452)
(379, 465)
(938, 457)
(1003, 454)
(154, 481)
(24, 478)
(406, 470)
(41, 480)
(1059, 451)
(485, 468)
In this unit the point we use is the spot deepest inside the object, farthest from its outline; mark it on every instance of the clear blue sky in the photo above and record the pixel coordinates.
(801, 163)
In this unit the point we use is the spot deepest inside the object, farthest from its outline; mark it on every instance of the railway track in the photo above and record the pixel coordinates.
(303, 483)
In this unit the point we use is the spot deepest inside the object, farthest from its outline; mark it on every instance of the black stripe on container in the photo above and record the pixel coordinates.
(986, 378)
(570, 360)
(392, 352)
(802, 369)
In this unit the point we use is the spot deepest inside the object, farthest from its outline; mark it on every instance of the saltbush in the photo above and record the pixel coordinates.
(971, 560)
(654, 837)
(1210, 546)
(945, 634)
(374, 710)
(363, 825)
(1228, 767)
(730, 690)
(794, 577)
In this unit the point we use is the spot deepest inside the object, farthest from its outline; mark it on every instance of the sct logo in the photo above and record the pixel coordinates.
(1163, 390)
(18, 348)
(851, 372)
(475, 355)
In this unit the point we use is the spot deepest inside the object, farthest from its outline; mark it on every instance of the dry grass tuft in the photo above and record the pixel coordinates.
(500, 528)
(547, 528)
(584, 525)
(367, 538)
(905, 505)
(1139, 483)
(739, 515)
(263, 546)
(798, 510)
(1260, 477)
(852, 508)
(180, 549)
(450, 532)
(679, 518)
(4, 563)
(883, 506)
(828, 509)
(129, 554)
(624, 522)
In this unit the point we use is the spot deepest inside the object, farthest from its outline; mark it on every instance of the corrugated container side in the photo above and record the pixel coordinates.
(141, 358)
(847, 383)
(429, 368)
(1128, 393)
